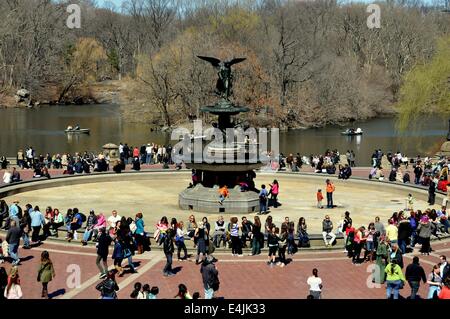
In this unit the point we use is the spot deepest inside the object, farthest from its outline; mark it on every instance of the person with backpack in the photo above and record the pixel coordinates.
(263, 194)
(46, 273)
(210, 277)
(108, 288)
(434, 281)
(394, 279)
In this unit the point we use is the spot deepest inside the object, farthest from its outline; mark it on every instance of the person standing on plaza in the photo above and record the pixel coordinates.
(414, 274)
(434, 281)
(210, 277)
(37, 220)
(327, 230)
(103, 243)
(169, 249)
(179, 241)
(201, 233)
(394, 279)
(315, 284)
(139, 233)
(13, 289)
(236, 244)
(330, 189)
(272, 242)
(381, 261)
(282, 244)
(46, 273)
(319, 197)
(392, 232)
(263, 194)
(256, 236)
(13, 239)
(274, 191)
(404, 233)
(424, 233)
(444, 268)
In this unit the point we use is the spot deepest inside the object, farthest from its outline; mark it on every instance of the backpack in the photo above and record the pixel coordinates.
(215, 283)
(82, 219)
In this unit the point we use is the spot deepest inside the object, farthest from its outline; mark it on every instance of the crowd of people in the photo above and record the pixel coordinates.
(86, 162)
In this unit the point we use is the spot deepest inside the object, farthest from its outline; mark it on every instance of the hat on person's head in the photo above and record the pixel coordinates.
(424, 219)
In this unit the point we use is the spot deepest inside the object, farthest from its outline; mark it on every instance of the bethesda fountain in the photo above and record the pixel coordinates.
(234, 162)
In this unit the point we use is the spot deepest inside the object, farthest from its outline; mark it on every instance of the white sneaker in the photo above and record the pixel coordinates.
(240, 255)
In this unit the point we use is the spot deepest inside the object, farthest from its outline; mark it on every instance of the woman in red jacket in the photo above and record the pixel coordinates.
(445, 290)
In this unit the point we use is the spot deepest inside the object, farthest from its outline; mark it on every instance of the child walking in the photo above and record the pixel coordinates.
(319, 198)
(224, 193)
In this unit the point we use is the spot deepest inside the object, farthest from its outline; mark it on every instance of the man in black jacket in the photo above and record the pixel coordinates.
(168, 251)
(445, 267)
(415, 273)
(404, 233)
(210, 277)
(246, 230)
(13, 239)
(104, 241)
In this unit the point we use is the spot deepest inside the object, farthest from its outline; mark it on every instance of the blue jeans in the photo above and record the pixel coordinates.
(262, 206)
(446, 224)
(209, 293)
(432, 291)
(87, 235)
(402, 245)
(413, 238)
(168, 267)
(414, 289)
(13, 252)
(329, 200)
(26, 240)
(393, 286)
(130, 263)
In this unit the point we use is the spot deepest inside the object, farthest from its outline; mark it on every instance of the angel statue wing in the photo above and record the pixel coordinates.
(234, 61)
(215, 62)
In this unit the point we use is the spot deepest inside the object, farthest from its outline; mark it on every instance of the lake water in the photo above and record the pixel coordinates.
(43, 128)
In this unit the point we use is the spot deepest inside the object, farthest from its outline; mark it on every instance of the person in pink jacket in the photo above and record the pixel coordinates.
(274, 190)
(101, 223)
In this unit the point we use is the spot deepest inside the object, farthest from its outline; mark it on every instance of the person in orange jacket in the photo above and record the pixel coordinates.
(330, 190)
(319, 198)
(224, 193)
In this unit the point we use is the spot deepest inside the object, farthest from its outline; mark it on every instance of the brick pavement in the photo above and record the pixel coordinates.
(243, 278)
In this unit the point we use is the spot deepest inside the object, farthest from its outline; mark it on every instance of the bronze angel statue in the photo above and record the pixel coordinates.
(225, 82)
